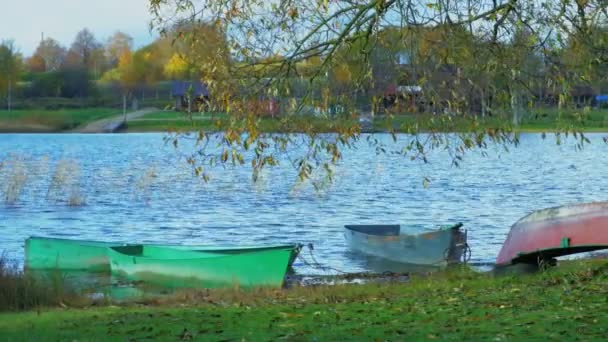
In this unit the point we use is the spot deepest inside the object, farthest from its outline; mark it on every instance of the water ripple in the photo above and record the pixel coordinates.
(138, 189)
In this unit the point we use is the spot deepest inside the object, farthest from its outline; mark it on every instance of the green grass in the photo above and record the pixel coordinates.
(50, 120)
(537, 120)
(177, 121)
(168, 120)
(562, 304)
(173, 115)
(548, 119)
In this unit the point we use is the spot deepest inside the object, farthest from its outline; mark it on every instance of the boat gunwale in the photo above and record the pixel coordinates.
(400, 235)
(210, 248)
(203, 256)
(521, 257)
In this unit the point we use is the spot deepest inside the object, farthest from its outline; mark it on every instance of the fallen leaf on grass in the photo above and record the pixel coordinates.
(290, 314)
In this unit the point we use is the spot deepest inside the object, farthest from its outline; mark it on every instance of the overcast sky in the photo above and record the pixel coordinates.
(25, 20)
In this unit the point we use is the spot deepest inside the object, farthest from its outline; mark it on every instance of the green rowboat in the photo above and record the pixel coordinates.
(178, 268)
(43, 253)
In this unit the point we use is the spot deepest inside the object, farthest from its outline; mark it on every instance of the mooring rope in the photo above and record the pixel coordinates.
(466, 255)
(315, 264)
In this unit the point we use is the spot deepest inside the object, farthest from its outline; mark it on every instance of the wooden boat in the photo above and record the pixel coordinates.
(436, 248)
(176, 268)
(549, 233)
(65, 254)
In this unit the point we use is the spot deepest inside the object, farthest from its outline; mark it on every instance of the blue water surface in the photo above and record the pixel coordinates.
(136, 188)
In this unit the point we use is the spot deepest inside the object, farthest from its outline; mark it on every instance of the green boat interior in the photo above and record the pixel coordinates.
(166, 253)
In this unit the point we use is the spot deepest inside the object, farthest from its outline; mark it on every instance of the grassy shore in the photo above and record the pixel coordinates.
(51, 120)
(175, 121)
(563, 304)
(537, 120)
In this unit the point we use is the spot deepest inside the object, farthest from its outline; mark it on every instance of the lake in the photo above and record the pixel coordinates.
(134, 187)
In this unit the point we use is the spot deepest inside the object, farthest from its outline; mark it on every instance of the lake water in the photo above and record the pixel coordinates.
(137, 189)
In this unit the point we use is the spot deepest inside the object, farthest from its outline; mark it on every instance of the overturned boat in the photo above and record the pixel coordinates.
(545, 234)
(434, 248)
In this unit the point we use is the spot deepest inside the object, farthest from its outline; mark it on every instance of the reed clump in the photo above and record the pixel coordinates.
(15, 175)
(65, 185)
(144, 184)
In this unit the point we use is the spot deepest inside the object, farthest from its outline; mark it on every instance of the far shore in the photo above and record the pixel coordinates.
(98, 120)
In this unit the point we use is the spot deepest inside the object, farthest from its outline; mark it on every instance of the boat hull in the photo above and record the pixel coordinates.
(438, 248)
(82, 255)
(174, 268)
(549, 233)
(64, 254)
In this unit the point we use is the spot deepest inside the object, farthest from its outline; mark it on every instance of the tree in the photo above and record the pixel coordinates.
(116, 46)
(86, 52)
(127, 75)
(177, 68)
(518, 36)
(10, 67)
(36, 63)
(121, 75)
(52, 53)
(585, 55)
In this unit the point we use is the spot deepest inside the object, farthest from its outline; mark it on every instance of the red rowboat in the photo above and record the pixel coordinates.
(553, 232)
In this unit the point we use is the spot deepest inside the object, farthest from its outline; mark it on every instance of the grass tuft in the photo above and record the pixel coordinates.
(20, 291)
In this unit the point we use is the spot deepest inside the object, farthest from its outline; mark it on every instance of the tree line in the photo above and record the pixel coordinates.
(441, 66)
(91, 68)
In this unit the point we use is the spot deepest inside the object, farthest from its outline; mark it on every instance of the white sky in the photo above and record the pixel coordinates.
(25, 20)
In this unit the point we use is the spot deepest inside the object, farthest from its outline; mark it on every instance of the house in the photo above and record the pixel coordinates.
(189, 93)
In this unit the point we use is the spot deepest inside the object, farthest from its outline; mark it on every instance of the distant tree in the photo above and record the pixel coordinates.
(160, 52)
(127, 75)
(202, 47)
(116, 46)
(52, 53)
(85, 50)
(10, 67)
(585, 57)
(177, 68)
(75, 82)
(44, 84)
(36, 64)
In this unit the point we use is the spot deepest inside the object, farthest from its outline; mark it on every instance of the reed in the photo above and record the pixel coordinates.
(15, 175)
(144, 184)
(65, 186)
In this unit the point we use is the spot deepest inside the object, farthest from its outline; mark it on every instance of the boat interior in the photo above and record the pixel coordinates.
(376, 229)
